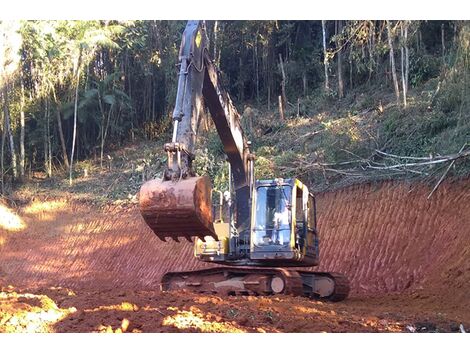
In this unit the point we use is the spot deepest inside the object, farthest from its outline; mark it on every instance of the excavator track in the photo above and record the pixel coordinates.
(259, 282)
(326, 286)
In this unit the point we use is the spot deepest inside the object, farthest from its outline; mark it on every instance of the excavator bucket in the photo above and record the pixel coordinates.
(178, 209)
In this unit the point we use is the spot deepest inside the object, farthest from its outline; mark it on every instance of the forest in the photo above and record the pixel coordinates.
(387, 97)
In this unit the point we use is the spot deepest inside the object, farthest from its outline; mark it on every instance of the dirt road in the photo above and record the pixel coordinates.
(66, 266)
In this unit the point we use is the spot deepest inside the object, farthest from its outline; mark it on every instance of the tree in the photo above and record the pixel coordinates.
(110, 100)
(339, 28)
(85, 39)
(7, 127)
(22, 126)
(75, 113)
(325, 55)
(404, 60)
(9, 59)
(392, 62)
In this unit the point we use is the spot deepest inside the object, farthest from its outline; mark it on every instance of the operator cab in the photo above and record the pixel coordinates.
(283, 230)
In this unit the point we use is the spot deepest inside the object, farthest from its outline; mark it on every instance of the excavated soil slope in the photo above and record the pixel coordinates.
(387, 238)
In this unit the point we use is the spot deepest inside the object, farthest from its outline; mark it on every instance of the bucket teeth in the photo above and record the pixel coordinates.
(178, 209)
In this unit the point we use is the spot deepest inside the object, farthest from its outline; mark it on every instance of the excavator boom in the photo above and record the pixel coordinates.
(179, 205)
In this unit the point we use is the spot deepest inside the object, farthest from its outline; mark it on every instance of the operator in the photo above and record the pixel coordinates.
(281, 218)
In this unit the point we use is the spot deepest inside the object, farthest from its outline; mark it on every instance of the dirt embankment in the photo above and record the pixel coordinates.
(387, 238)
(390, 237)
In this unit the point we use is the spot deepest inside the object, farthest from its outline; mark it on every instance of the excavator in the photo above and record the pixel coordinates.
(268, 233)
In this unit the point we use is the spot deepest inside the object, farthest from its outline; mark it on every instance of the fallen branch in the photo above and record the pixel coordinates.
(402, 157)
(445, 173)
(431, 161)
(310, 134)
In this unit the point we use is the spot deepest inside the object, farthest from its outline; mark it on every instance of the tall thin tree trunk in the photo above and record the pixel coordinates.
(62, 139)
(257, 68)
(443, 44)
(407, 59)
(283, 82)
(404, 61)
(281, 109)
(325, 55)
(371, 49)
(103, 119)
(75, 116)
(392, 63)
(2, 168)
(6, 113)
(216, 30)
(46, 149)
(350, 73)
(22, 126)
(61, 132)
(339, 29)
(47, 142)
(49, 145)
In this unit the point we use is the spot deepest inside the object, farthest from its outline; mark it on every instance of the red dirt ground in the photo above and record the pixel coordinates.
(70, 267)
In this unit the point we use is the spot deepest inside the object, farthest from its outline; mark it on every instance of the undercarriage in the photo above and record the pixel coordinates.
(259, 282)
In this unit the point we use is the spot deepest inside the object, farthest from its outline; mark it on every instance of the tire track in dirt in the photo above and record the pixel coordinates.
(385, 237)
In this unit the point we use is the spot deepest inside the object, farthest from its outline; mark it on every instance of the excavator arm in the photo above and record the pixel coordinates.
(180, 204)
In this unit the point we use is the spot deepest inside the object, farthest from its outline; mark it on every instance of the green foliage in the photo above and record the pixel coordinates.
(128, 85)
(423, 67)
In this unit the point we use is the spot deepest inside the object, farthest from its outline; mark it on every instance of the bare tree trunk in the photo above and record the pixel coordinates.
(61, 132)
(407, 59)
(2, 168)
(75, 116)
(103, 120)
(281, 109)
(443, 44)
(22, 126)
(283, 82)
(216, 30)
(62, 139)
(6, 114)
(105, 133)
(340, 62)
(49, 144)
(404, 61)
(371, 49)
(392, 62)
(256, 67)
(350, 73)
(325, 55)
(46, 149)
